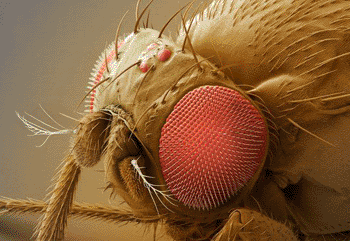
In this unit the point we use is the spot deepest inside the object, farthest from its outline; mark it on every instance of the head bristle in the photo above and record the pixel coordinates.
(189, 42)
(172, 17)
(117, 36)
(137, 10)
(139, 17)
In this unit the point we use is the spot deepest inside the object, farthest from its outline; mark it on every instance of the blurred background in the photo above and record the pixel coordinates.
(47, 51)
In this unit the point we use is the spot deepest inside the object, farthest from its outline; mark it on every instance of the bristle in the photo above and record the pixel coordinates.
(309, 132)
(116, 77)
(190, 24)
(141, 82)
(139, 17)
(147, 20)
(137, 10)
(189, 42)
(181, 76)
(117, 36)
(172, 17)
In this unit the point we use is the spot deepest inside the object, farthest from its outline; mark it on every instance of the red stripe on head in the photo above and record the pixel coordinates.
(99, 74)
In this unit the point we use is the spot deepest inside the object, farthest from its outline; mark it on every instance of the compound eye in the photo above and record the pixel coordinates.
(212, 144)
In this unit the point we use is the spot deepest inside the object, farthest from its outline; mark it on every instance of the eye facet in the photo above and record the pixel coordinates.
(211, 145)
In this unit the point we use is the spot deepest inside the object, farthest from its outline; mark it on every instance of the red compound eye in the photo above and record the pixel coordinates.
(211, 145)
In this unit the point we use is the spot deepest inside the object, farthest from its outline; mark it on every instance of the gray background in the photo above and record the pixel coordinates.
(47, 51)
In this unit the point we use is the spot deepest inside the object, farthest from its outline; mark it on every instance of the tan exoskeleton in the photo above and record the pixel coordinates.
(224, 134)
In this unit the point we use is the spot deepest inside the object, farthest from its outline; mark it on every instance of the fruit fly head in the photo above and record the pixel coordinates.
(179, 140)
(188, 139)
